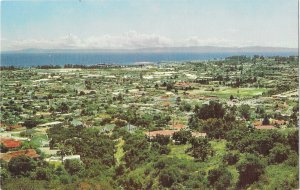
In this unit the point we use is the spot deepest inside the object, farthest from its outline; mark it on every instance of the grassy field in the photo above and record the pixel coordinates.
(226, 92)
(179, 151)
(120, 152)
(287, 131)
(55, 163)
(212, 162)
(280, 174)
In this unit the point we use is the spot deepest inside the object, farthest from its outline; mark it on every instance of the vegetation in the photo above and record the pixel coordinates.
(226, 124)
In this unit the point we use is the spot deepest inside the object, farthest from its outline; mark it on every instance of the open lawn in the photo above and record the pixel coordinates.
(212, 162)
(279, 175)
(287, 131)
(120, 152)
(178, 151)
(226, 92)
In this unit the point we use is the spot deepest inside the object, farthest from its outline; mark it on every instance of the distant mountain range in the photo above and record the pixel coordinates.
(194, 49)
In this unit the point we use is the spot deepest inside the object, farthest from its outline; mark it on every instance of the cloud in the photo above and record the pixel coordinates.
(196, 41)
(128, 40)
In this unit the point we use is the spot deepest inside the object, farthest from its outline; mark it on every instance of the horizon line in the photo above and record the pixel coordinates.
(146, 48)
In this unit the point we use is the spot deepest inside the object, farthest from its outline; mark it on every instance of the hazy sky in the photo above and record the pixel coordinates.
(148, 23)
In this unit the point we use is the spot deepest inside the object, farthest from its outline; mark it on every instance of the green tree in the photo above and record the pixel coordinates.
(250, 169)
(293, 140)
(170, 86)
(136, 149)
(245, 111)
(73, 166)
(279, 153)
(293, 159)
(201, 148)
(182, 136)
(212, 110)
(21, 165)
(43, 174)
(184, 106)
(3, 148)
(120, 123)
(294, 118)
(30, 123)
(266, 121)
(219, 178)
(161, 149)
(231, 158)
(168, 176)
(178, 100)
(4, 174)
(161, 139)
(64, 108)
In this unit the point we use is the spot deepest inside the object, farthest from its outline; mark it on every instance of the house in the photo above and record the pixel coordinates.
(53, 159)
(170, 133)
(198, 134)
(130, 128)
(51, 124)
(279, 97)
(178, 126)
(152, 134)
(11, 143)
(265, 127)
(13, 127)
(182, 85)
(71, 157)
(257, 123)
(279, 122)
(28, 152)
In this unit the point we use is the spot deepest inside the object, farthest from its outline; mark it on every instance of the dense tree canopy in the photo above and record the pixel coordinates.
(219, 178)
(250, 169)
(21, 165)
(201, 149)
(212, 110)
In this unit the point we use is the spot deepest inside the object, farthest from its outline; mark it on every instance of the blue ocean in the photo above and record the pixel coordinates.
(39, 59)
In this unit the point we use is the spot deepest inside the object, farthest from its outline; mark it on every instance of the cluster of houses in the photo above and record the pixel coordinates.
(88, 98)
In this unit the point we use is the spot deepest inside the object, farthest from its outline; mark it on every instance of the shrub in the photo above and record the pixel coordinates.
(160, 149)
(292, 160)
(182, 136)
(161, 139)
(30, 123)
(21, 165)
(231, 158)
(167, 177)
(73, 166)
(43, 174)
(250, 169)
(219, 178)
(279, 153)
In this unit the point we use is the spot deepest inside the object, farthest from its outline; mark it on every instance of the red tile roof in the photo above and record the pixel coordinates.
(161, 132)
(183, 84)
(265, 127)
(10, 143)
(178, 126)
(279, 122)
(171, 132)
(28, 152)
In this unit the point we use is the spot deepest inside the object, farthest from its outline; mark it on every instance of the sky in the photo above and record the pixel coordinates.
(131, 24)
